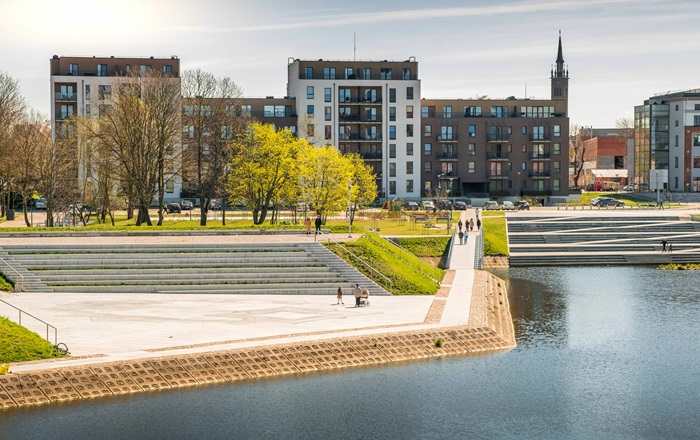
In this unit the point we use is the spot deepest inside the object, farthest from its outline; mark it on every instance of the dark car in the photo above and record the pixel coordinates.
(172, 208)
(522, 206)
(411, 206)
(186, 205)
(606, 202)
(459, 205)
(444, 204)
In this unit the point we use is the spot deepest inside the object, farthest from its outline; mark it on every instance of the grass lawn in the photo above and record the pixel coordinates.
(430, 249)
(495, 240)
(5, 285)
(409, 275)
(676, 266)
(695, 217)
(19, 344)
(492, 213)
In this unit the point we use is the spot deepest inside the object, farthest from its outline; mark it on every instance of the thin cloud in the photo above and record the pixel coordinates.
(527, 7)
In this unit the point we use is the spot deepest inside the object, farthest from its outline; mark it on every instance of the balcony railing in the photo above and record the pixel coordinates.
(359, 137)
(543, 138)
(499, 137)
(540, 173)
(448, 155)
(360, 118)
(537, 156)
(371, 155)
(447, 138)
(497, 155)
(359, 100)
(66, 96)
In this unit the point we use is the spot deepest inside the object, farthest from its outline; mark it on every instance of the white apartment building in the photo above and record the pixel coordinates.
(366, 107)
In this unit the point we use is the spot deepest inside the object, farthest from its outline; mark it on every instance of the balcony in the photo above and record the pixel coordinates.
(60, 116)
(447, 138)
(359, 100)
(360, 119)
(359, 137)
(448, 155)
(446, 115)
(537, 138)
(371, 155)
(66, 96)
(497, 155)
(499, 137)
(540, 174)
(539, 156)
(498, 176)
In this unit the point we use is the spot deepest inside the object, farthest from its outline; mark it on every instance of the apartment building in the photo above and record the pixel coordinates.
(366, 107)
(82, 87)
(501, 147)
(667, 142)
(607, 158)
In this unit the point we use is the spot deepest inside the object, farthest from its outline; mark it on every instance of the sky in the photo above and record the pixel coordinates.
(618, 51)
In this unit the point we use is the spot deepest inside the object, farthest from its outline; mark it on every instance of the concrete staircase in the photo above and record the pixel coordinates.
(600, 240)
(285, 269)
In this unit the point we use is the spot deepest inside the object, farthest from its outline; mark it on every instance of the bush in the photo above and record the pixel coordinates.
(5, 284)
(4, 369)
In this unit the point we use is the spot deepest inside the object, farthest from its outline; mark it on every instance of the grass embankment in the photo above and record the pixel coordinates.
(19, 344)
(409, 275)
(430, 249)
(495, 237)
(695, 217)
(677, 266)
(5, 285)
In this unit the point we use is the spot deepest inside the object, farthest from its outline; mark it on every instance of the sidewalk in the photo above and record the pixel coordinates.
(462, 263)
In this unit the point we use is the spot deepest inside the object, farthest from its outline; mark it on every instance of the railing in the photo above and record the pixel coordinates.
(66, 96)
(447, 155)
(539, 156)
(492, 155)
(448, 138)
(48, 326)
(504, 137)
(359, 118)
(361, 260)
(19, 281)
(371, 155)
(358, 137)
(479, 250)
(359, 100)
(540, 174)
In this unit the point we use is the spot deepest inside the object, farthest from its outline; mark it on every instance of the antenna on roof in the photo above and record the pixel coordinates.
(525, 90)
(354, 46)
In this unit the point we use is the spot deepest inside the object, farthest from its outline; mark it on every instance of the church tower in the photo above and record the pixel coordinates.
(560, 79)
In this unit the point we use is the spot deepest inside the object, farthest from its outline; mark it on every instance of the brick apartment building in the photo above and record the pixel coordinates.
(417, 147)
(607, 160)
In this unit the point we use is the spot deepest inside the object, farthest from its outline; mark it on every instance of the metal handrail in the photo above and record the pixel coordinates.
(362, 261)
(20, 280)
(48, 326)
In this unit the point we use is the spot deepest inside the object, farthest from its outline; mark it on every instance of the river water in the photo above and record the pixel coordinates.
(604, 353)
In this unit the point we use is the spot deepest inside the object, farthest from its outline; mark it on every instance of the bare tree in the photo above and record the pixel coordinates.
(624, 123)
(577, 152)
(55, 170)
(27, 138)
(12, 108)
(212, 120)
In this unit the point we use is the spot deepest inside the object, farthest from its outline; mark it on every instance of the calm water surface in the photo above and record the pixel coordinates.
(604, 353)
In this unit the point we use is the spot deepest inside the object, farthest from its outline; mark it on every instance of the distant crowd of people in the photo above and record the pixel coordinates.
(465, 227)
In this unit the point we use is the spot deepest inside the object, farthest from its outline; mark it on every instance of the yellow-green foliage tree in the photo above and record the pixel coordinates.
(264, 161)
(325, 179)
(364, 185)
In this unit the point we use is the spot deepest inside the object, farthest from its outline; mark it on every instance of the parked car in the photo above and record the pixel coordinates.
(411, 206)
(444, 204)
(172, 208)
(507, 205)
(522, 206)
(628, 188)
(186, 205)
(491, 204)
(428, 205)
(40, 203)
(605, 202)
(460, 205)
(215, 204)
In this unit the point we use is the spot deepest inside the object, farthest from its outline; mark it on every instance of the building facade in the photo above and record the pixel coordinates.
(667, 142)
(606, 160)
(82, 87)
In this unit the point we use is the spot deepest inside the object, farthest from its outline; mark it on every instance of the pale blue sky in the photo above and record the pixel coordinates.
(618, 51)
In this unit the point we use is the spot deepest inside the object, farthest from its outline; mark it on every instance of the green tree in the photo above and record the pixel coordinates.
(263, 164)
(325, 179)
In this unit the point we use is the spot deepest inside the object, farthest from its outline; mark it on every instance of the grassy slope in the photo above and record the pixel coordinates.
(495, 240)
(409, 274)
(19, 344)
(425, 246)
(5, 285)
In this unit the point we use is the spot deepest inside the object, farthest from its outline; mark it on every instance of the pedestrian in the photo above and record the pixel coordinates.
(663, 245)
(307, 225)
(670, 248)
(459, 224)
(339, 296)
(478, 223)
(461, 237)
(318, 222)
(471, 224)
(357, 293)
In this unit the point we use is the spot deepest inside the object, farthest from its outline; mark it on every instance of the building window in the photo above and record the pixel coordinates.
(366, 73)
(269, 111)
(329, 73)
(246, 110)
(189, 130)
(392, 187)
(349, 73)
(696, 120)
(101, 70)
(409, 185)
(392, 169)
(675, 182)
(406, 74)
(556, 148)
(425, 111)
(427, 166)
(471, 130)
(473, 111)
(498, 112)
(385, 73)
(428, 186)
(676, 141)
(409, 149)
(392, 132)
(409, 92)
(523, 130)
(104, 91)
(471, 149)
(392, 95)
(427, 149)
(168, 69)
(409, 167)
(676, 122)
(310, 109)
(308, 73)
(556, 130)
(327, 133)
(538, 133)
(409, 130)
(309, 92)
(675, 162)
(446, 167)
(392, 151)
(471, 167)
(427, 130)
(555, 185)
(144, 69)
(310, 130)
(446, 133)
(409, 112)
(392, 113)
(327, 113)
(327, 93)
(73, 69)
(696, 141)
(447, 112)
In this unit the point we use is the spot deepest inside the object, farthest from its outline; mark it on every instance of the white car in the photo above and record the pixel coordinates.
(507, 205)
(428, 205)
(40, 203)
(491, 204)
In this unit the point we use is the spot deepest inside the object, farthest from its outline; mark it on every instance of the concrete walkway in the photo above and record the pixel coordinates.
(462, 263)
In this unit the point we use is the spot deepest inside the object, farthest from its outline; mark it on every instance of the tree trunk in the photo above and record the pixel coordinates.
(203, 209)
(143, 215)
(24, 211)
(259, 214)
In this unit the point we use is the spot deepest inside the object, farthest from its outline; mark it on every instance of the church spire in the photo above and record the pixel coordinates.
(560, 72)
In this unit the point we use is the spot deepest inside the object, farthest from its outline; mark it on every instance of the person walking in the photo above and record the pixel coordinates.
(357, 293)
(471, 224)
(339, 296)
(663, 246)
(459, 224)
(478, 223)
(317, 222)
(461, 237)
(307, 225)
(670, 248)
